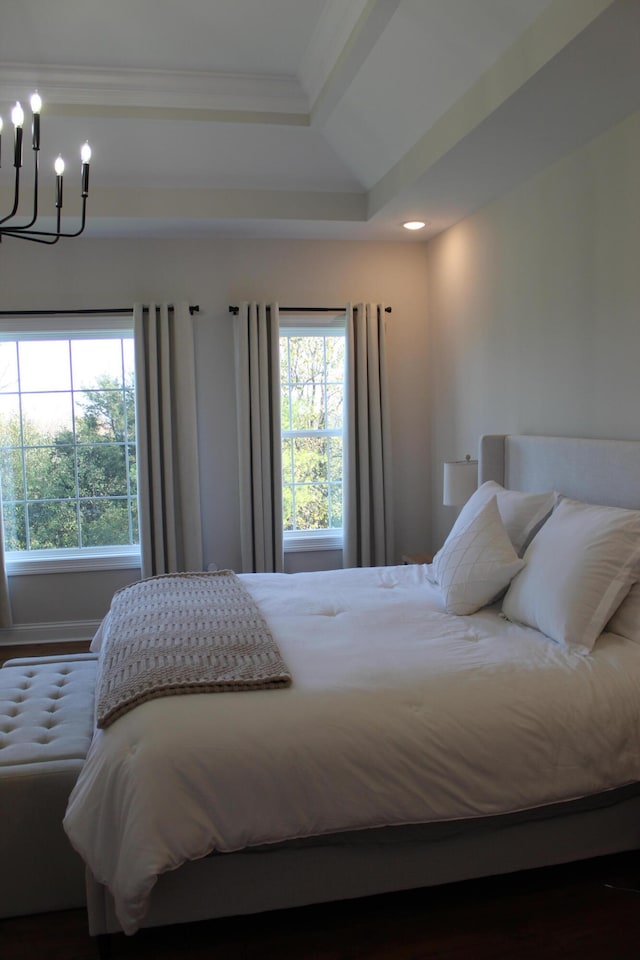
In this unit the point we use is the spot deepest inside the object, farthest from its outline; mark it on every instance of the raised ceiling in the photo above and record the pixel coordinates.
(311, 118)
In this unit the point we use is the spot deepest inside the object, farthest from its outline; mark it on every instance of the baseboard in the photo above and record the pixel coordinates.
(28, 633)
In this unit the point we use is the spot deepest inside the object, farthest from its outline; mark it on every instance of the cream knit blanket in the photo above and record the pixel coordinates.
(183, 633)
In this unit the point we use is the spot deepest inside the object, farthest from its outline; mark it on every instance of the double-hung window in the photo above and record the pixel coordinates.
(312, 380)
(68, 444)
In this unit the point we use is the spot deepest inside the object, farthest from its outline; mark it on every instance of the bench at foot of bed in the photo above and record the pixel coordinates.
(46, 723)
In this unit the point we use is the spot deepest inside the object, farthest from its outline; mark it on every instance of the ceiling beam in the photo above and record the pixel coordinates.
(203, 204)
(368, 29)
(545, 40)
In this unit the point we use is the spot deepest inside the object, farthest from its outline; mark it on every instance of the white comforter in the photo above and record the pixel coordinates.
(398, 714)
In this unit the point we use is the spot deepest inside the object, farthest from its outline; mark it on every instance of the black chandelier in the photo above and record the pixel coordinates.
(28, 231)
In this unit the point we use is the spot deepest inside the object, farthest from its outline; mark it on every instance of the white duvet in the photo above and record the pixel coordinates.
(398, 714)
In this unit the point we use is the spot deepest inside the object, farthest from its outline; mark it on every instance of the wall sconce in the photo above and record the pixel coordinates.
(460, 481)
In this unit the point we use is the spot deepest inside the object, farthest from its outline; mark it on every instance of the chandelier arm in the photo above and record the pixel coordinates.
(16, 198)
(27, 226)
(34, 234)
(30, 236)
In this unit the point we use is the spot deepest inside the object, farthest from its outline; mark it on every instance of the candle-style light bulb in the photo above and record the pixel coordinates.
(85, 156)
(17, 118)
(17, 115)
(59, 169)
(36, 106)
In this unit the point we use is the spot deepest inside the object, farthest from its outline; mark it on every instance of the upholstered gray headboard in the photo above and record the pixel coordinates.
(596, 471)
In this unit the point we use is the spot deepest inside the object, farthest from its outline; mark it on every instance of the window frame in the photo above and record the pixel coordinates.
(302, 541)
(71, 559)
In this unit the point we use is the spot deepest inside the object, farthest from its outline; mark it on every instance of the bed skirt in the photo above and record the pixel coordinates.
(368, 862)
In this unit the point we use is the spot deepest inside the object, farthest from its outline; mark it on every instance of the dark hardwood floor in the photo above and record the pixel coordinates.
(10, 650)
(584, 911)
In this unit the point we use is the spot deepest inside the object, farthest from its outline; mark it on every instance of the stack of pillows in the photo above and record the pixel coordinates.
(569, 569)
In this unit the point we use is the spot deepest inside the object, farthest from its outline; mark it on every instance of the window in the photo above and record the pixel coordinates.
(312, 362)
(68, 446)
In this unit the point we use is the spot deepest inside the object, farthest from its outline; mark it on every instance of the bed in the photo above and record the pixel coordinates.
(354, 786)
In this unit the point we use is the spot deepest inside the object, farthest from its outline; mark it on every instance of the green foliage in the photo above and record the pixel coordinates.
(312, 391)
(38, 492)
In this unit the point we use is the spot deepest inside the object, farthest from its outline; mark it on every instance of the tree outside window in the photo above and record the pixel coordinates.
(312, 400)
(67, 443)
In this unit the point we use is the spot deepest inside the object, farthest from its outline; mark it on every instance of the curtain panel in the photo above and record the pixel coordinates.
(368, 520)
(257, 361)
(6, 618)
(167, 440)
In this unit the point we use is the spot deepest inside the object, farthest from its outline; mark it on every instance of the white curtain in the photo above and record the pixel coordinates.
(167, 440)
(257, 357)
(368, 521)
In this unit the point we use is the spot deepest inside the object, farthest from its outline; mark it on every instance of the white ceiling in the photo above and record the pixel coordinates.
(310, 118)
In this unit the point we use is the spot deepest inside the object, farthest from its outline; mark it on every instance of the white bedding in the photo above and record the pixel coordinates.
(398, 713)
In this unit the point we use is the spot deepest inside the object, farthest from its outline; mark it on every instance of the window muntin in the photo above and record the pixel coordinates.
(312, 363)
(67, 443)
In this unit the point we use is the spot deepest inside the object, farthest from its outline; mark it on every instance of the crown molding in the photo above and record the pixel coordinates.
(139, 90)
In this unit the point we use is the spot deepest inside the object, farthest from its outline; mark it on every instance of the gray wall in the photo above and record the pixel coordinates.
(534, 309)
(215, 273)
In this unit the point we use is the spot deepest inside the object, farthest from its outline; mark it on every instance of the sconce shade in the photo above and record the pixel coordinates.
(460, 480)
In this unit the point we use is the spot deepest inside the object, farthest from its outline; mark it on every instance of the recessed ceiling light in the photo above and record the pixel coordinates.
(414, 224)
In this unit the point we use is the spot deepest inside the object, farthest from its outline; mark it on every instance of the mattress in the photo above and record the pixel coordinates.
(398, 714)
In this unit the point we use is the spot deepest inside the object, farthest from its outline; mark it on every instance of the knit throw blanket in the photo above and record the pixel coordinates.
(183, 633)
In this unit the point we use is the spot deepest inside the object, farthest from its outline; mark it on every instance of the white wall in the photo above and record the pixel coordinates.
(535, 309)
(109, 273)
(533, 325)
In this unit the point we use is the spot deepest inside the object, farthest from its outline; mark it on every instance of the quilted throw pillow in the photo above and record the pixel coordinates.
(522, 513)
(476, 563)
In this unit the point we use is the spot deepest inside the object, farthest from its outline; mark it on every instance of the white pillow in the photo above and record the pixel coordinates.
(579, 568)
(476, 564)
(626, 620)
(522, 513)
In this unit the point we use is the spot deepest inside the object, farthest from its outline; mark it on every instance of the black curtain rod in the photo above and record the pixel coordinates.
(195, 308)
(234, 310)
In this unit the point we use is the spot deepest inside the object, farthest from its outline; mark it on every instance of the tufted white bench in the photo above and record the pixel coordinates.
(46, 724)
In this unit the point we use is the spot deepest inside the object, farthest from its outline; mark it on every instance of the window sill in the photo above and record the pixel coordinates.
(72, 561)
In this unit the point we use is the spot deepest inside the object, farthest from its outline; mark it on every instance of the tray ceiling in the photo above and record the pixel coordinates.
(312, 118)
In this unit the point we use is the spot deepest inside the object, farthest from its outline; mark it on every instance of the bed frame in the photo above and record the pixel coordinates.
(373, 862)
